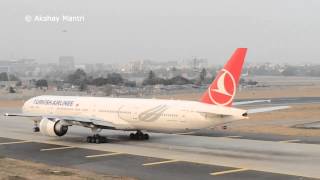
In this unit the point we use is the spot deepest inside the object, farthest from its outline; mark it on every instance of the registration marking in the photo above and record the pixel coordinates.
(58, 148)
(103, 155)
(15, 142)
(160, 162)
(228, 171)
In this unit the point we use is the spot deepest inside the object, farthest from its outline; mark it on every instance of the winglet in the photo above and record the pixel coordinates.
(223, 89)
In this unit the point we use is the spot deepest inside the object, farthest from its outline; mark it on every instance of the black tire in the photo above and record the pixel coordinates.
(146, 136)
(98, 140)
(140, 136)
(36, 129)
(132, 136)
(103, 139)
(89, 139)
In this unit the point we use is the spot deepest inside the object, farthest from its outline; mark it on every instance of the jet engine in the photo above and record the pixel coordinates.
(52, 127)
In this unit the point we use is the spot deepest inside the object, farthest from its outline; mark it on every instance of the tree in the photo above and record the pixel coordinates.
(13, 78)
(152, 79)
(41, 83)
(83, 86)
(12, 90)
(77, 78)
(203, 75)
(19, 83)
(130, 84)
(115, 78)
(108, 90)
(151, 75)
(178, 80)
(100, 81)
(3, 76)
(289, 71)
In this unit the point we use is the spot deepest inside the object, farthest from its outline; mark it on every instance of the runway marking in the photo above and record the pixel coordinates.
(228, 171)
(160, 162)
(103, 155)
(185, 133)
(232, 136)
(58, 148)
(290, 141)
(15, 142)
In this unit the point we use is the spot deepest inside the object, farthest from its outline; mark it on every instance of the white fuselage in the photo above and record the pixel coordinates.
(136, 114)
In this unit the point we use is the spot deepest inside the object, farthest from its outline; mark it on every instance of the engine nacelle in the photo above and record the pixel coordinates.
(52, 127)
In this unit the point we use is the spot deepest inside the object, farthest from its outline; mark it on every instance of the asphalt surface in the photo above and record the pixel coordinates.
(141, 167)
(207, 154)
(256, 136)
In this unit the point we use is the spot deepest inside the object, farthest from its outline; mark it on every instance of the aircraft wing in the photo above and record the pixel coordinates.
(250, 102)
(72, 120)
(21, 115)
(266, 109)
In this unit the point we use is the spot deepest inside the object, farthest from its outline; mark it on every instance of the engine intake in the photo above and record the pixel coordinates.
(52, 127)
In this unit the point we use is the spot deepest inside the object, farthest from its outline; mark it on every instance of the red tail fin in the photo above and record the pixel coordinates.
(223, 88)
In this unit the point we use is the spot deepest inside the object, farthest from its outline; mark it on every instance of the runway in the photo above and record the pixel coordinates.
(204, 155)
(163, 156)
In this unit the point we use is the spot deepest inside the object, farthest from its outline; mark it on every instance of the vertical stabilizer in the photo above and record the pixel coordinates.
(223, 89)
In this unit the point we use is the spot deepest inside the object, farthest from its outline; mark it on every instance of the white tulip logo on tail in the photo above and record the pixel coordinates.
(223, 90)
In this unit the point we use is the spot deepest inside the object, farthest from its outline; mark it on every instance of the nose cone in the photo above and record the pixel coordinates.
(26, 106)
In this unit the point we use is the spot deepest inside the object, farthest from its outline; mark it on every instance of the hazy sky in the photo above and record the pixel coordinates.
(125, 30)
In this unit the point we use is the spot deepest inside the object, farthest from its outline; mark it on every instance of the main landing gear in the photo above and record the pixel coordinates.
(97, 139)
(139, 136)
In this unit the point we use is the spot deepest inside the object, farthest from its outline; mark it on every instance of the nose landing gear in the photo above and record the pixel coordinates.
(36, 127)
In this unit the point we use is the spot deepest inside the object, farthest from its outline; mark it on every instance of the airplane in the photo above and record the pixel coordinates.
(53, 115)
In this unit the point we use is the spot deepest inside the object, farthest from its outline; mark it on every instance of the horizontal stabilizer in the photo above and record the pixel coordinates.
(251, 102)
(266, 109)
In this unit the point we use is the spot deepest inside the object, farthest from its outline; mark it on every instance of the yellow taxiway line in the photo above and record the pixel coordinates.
(228, 171)
(103, 155)
(58, 148)
(15, 142)
(160, 162)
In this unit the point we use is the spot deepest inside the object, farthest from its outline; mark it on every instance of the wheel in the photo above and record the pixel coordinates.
(103, 139)
(96, 136)
(140, 136)
(98, 140)
(132, 136)
(89, 139)
(146, 136)
(36, 129)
